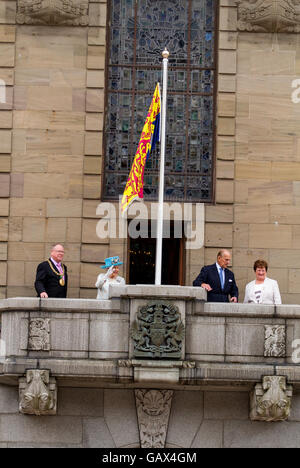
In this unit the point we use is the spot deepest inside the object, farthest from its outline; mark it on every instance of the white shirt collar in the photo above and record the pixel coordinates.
(55, 263)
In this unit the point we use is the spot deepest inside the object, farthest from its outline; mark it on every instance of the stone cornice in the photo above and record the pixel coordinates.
(53, 12)
(269, 15)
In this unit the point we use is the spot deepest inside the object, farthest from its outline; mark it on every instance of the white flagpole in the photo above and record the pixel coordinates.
(160, 208)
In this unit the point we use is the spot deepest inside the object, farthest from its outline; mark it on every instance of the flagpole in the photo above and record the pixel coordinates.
(160, 208)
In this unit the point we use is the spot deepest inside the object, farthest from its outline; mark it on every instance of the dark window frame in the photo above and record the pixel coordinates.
(181, 258)
(135, 93)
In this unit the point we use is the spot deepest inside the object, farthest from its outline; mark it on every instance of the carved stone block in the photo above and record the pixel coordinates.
(53, 12)
(188, 372)
(125, 370)
(271, 400)
(274, 340)
(269, 15)
(39, 334)
(158, 331)
(37, 393)
(153, 410)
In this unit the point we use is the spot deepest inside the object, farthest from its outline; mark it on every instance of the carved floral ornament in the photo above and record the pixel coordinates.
(37, 393)
(39, 334)
(53, 12)
(153, 410)
(271, 399)
(269, 15)
(274, 341)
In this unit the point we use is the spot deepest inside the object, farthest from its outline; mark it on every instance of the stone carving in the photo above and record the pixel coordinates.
(53, 12)
(125, 363)
(39, 334)
(274, 340)
(271, 400)
(188, 372)
(37, 393)
(153, 410)
(189, 364)
(158, 331)
(269, 15)
(125, 370)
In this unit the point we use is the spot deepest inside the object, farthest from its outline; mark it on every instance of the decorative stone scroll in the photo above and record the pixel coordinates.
(274, 340)
(158, 331)
(269, 15)
(37, 393)
(39, 334)
(153, 410)
(53, 12)
(271, 400)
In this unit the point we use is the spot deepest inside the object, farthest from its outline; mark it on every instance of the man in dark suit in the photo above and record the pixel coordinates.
(218, 281)
(51, 275)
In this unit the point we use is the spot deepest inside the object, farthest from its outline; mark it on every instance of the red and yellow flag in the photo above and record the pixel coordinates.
(149, 137)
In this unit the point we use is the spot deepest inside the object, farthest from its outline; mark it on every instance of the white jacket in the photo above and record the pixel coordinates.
(270, 292)
(103, 282)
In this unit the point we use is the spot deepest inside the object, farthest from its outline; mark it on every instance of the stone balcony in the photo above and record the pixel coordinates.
(89, 342)
(151, 342)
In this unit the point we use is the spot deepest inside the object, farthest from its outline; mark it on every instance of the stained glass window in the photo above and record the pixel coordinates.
(139, 30)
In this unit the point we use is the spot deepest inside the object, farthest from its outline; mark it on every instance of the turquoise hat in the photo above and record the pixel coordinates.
(111, 261)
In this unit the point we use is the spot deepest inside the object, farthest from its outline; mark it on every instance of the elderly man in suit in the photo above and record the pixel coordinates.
(218, 281)
(52, 276)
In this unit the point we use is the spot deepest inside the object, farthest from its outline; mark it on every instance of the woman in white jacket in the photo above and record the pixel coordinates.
(262, 290)
(111, 277)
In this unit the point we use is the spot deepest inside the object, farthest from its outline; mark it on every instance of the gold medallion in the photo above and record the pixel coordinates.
(62, 282)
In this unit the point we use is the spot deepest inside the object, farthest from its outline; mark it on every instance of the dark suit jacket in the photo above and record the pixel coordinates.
(209, 274)
(47, 281)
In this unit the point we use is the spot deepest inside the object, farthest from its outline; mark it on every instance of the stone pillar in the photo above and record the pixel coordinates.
(219, 218)
(94, 250)
(7, 63)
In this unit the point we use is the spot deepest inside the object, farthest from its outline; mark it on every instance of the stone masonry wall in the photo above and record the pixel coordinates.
(47, 155)
(267, 168)
(219, 216)
(50, 146)
(51, 135)
(90, 418)
(51, 149)
(7, 62)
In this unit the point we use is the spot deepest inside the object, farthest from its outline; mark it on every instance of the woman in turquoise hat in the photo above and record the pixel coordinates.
(110, 277)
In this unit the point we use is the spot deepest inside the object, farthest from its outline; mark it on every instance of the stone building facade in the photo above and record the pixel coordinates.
(52, 110)
(53, 68)
(78, 372)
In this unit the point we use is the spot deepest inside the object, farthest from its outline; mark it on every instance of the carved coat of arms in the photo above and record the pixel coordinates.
(158, 331)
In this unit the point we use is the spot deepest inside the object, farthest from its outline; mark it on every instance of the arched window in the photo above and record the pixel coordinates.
(139, 30)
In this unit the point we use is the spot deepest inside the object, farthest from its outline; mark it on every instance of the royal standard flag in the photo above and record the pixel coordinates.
(149, 137)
